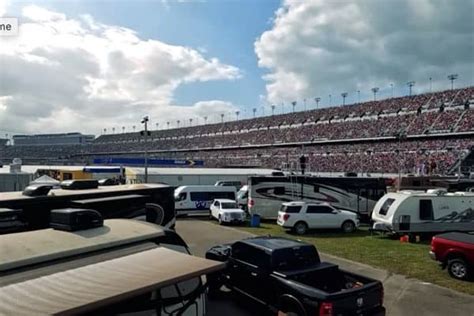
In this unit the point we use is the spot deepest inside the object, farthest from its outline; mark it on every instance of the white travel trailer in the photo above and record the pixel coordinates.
(196, 199)
(420, 212)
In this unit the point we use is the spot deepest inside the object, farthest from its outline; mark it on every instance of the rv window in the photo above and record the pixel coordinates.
(316, 189)
(386, 205)
(180, 197)
(426, 210)
(315, 209)
(290, 209)
(279, 190)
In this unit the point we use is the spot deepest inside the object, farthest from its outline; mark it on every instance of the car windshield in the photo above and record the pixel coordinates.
(229, 205)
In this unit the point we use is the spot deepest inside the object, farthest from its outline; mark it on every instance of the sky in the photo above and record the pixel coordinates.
(100, 66)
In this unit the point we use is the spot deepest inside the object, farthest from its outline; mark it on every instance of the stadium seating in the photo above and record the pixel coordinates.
(369, 130)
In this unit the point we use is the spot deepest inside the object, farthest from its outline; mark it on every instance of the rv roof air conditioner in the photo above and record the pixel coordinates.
(79, 184)
(37, 190)
(437, 191)
(72, 219)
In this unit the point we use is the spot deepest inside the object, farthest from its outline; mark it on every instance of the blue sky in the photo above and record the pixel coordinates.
(225, 29)
(196, 59)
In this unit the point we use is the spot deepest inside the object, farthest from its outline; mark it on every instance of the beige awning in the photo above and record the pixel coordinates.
(97, 285)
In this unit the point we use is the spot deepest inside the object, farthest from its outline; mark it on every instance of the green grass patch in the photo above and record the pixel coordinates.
(409, 259)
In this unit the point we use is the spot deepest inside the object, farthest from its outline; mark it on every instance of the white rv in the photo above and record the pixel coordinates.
(266, 194)
(196, 199)
(418, 212)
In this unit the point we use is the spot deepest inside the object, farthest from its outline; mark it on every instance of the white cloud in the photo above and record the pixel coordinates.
(316, 48)
(65, 74)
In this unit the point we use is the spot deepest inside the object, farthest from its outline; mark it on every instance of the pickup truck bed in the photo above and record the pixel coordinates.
(274, 271)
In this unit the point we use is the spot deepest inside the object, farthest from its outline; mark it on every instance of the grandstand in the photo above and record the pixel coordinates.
(430, 132)
(52, 139)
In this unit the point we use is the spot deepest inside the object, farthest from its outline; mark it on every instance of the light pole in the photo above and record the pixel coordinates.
(317, 99)
(304, 104)
(123, 129)
(167, 125)
(431, 84)
(410, 85)
(205, 120)
(113, 130)
(273, 109)
(145, 123)
(254, 111)
(293, 104)
(391, 87)
(330, 100)
(190, 122)
(344, 95)
(133, 128)
(237, 115)
(105, 131)
(375, 90)
(452, 77)
(222, 118)
(177, 122)
(358, 96)
(157, 124)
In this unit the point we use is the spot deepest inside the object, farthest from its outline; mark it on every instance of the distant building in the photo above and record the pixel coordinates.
(53, 139)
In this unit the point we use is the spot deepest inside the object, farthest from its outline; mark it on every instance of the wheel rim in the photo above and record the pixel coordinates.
(348, 227)
(300, 228)
(458, 270)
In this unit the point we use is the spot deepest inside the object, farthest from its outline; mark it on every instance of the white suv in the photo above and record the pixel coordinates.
(226, 211)
(301, 216)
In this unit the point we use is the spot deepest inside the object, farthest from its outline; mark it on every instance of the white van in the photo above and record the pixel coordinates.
(197, 199)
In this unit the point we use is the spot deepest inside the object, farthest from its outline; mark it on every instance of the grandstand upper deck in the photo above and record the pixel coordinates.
(53, 139)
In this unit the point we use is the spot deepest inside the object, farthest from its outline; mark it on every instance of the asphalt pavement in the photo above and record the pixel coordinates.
(403, 296)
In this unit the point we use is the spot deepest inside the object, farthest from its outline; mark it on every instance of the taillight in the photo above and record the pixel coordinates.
(251, 203)
(325, 309)
(286, 216)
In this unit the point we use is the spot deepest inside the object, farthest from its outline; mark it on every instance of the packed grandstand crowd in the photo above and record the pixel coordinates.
(426, 132)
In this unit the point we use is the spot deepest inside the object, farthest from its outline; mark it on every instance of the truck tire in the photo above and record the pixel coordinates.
(348, 227)
(300, 228)
(458, 268)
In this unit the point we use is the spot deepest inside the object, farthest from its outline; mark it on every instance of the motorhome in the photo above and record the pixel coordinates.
(120, 266)
(266, 194)
(197, 199)
(424, 212)
(30, 209)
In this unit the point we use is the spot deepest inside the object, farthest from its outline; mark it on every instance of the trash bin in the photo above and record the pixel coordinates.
(255, 220)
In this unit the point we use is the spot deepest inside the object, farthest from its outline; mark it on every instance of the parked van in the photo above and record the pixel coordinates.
(420, 212)
(197, 199)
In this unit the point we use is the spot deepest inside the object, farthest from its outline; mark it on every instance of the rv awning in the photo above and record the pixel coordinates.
(94, 286)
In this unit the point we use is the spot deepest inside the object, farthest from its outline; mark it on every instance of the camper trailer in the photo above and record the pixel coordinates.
(424, 212)
(266, 194)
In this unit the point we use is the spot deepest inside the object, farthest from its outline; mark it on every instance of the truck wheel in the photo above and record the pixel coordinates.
(348, 227)
(458, 269)
(300, 228)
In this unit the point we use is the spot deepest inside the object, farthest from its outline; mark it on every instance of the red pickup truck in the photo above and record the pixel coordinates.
(456, 252)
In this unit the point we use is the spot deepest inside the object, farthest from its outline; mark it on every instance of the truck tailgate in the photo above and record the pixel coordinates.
(357, 301)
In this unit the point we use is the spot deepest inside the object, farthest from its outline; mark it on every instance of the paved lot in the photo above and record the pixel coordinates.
(402, 296)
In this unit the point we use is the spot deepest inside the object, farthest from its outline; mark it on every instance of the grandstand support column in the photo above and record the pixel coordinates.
(145, 123)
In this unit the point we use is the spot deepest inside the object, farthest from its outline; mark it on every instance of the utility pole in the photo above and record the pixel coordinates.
(273, 109)
(410, 85)
(344, 95)
(452, 77)
(375, 90)
(293, 104)
(145, 122)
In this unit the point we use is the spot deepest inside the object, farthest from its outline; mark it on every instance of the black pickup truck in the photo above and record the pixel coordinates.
(288, 277)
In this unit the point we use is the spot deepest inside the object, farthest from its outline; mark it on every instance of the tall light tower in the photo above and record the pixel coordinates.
(105, 131)
(317, 99)
(123, 129)
(134, 128)
(273, 109)
(410, 85)
(177, 122)
(113, 130)
(431, 84)
(304, 104)
(205, 120)
(293, 104)
(254, 112)
(358, 96)
(167, 125)
(344, 95)
(222, 118)
(237, 114)
(452, 77)
(145, 123)
(190, 122)
(330, 100)
(391, 87)
(375, 90)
